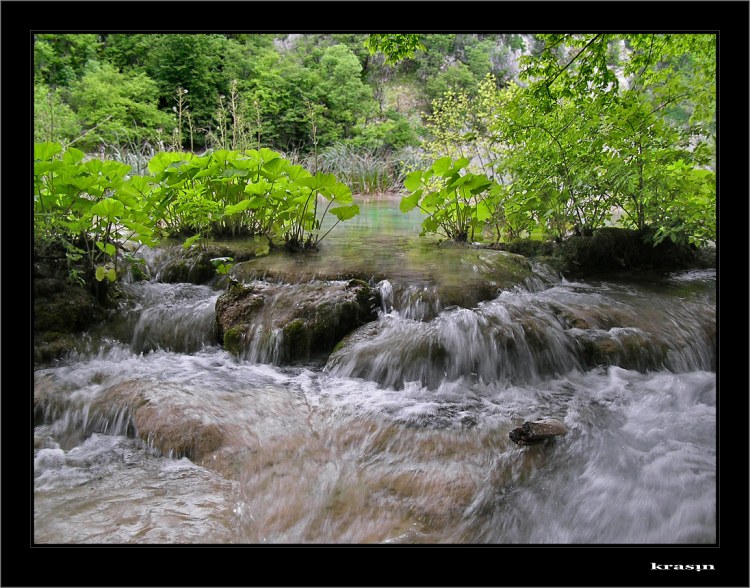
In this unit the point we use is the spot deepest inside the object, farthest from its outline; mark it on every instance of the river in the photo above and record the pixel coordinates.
(401, 435)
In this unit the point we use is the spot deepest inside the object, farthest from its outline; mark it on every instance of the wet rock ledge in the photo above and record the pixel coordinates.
(286, 323)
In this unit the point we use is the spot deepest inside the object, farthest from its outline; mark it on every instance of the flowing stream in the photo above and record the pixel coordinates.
(401, 436)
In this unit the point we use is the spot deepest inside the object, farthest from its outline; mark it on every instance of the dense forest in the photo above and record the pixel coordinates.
(494, 137)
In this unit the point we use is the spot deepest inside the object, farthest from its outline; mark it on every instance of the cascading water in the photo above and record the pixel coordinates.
(523, 336)
(158, 435)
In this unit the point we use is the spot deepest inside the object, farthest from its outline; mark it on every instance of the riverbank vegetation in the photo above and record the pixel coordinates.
(494, 138)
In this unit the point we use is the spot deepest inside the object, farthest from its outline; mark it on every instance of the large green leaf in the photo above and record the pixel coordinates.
(210, 171)
(140, 184)
(114, 171)
(483, 212)
(108, 208)
(345, 212)
(460, 163)
(478, 183)
(234, 172)
(318, 181)
(296, 172)
(73, 156)
(274, 166)
(46, 151)
(107, 248)
(429, 225)
(128, 198)
(413, 181)
(442, 165)
(220, 156)
(191, 240)
(236, 208)
(42, 167)
(268, 155)
(141, 229)
(48, 202)
(338, 192)
(80, 183)
(410, 202)
(166, 159)
(258, 188)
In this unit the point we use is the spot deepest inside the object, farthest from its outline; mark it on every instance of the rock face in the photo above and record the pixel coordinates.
(533, 433)
(62, 309)
(286, 323)
(612, 250)
(191, 266)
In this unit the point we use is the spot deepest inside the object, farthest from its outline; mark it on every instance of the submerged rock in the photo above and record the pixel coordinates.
(175, 433)
(286, 323)
(533, 433)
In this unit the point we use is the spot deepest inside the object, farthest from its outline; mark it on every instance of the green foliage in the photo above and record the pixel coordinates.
(456, 78)
(603, 128)
(458, 204)
(254, 192)
(193, 62)
(88, 206)
(364, 170)
(237, 126)
(686, 208)
(54, 120)
(93, 208)
(395, 47)
(390, 132)
(345, 95)
(573, 147)
(59, 59)
(459, 125)
(117, 108)
(222, 264)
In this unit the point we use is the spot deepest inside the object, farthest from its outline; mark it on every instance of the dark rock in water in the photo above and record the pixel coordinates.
(533, 433)
(608, 250)
(613, 249)
(192, 265)
(62, 308)
(300, 322)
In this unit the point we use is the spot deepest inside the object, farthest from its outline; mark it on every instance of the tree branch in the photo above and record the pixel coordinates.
(548, 84)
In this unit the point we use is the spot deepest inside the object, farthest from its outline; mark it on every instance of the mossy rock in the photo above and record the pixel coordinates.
(236, 309)
(139, 272)
(57, 347)
(65, 312)
(192, 266)
(612, 250)
(631, 351)
(233, 340)
(529, 247)
(313, 317)
(297, 339)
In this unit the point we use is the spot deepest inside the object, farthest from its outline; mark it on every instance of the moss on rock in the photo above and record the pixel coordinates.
(233, 340)
(192, 266)
(610, 250)
(313, 318)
